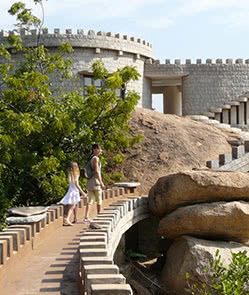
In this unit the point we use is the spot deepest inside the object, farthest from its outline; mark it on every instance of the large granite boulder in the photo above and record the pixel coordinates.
(185, 188)
(220, 220)
(192, 255)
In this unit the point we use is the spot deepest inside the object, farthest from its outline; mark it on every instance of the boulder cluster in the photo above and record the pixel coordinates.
(200, 212)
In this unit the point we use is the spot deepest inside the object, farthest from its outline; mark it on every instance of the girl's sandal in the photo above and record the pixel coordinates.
(67, 224)
(86, 220)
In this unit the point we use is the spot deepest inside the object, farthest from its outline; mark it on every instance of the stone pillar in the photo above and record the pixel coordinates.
(146, 99)
(217, 117)
(172, 100)
(242, 114)
(247, 113)
(233, 116)
(225, 116)
(234, 120)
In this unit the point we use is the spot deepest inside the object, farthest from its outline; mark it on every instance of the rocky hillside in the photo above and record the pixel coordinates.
(171, 144)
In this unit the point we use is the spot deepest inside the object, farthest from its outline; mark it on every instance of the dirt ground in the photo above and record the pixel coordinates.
(170, 144)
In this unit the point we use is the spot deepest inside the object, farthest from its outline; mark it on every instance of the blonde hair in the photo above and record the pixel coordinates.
(73, 172)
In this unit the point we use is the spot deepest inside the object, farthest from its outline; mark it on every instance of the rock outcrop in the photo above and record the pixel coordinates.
(191, 255)
(190, 187)
(219, 220)
(171, 144)
(201, 211)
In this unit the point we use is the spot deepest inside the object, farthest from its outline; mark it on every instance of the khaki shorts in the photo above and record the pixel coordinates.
(94, 196)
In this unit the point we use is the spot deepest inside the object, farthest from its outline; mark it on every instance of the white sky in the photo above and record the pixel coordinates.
(177, 29)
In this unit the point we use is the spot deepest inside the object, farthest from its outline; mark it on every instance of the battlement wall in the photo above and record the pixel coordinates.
(203, 85)
(199, 61)
(91, 39)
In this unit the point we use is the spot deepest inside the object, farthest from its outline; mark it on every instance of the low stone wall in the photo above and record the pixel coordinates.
(20, 239)
(98, 273)
(238, 160)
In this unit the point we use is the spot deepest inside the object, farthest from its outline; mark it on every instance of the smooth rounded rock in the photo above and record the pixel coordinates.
(197, 186)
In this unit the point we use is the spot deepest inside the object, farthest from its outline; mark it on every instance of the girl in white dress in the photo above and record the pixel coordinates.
(72, 197)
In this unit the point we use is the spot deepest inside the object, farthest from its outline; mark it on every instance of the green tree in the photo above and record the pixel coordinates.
(222, 280)
(41, 128)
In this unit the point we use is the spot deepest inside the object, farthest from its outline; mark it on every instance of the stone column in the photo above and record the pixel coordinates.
(247, 113)
(217, 113)
(242, 114)
(146, 99)
(217, 117)
(225, 116)
(242, 101)
(234, 105)
(172, 100)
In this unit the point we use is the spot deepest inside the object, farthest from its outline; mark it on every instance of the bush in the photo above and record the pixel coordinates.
(230, 280)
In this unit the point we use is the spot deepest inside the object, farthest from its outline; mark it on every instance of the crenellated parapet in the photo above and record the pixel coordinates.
(199, 61)
(90, 39)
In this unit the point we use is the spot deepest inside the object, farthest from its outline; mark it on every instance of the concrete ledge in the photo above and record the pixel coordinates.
(101, 269)
(95, 260)
(114, 289)
(216, 110)
(234, 103)
(130, 187)
(104, 279)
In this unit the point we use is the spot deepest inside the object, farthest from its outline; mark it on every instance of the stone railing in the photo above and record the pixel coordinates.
(19, 239)
(98, 273)
(238, 160)
(234, 112)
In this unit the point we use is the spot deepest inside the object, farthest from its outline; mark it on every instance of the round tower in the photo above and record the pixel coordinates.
(115, 50)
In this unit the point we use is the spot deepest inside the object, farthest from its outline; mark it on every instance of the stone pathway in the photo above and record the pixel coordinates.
(51, 269)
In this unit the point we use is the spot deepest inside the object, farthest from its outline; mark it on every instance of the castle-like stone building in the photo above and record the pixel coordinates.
(188, 89)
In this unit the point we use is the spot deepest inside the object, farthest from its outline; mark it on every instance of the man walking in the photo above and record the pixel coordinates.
(95, 184)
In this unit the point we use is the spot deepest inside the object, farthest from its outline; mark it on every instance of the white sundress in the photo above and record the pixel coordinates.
(72, 196)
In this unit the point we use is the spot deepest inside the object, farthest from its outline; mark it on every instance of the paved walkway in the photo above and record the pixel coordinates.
(51, 269)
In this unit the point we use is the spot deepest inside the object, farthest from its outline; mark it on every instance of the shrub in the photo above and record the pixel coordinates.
(222, 280)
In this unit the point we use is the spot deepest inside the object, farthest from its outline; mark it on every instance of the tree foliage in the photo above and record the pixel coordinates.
(41, 127)
(222, 280)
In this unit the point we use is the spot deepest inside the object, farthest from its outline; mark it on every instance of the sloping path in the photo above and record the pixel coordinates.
(51, 269)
